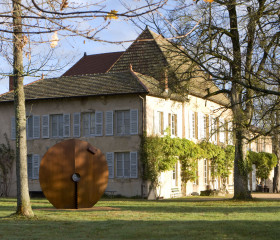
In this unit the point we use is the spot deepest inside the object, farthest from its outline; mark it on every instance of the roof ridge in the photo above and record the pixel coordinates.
(141, 83)
(103, 53)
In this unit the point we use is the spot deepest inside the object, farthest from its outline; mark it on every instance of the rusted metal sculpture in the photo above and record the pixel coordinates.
(73, 174)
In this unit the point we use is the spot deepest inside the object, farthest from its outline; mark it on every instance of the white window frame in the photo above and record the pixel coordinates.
(192, 125)
(221, 130)
(204, 126)
(173, 124)
(205, 170)
(158, 122)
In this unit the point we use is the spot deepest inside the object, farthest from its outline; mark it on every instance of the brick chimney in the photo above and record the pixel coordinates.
(11, 83)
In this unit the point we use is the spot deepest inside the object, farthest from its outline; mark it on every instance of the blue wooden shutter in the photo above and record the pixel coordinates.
(45, 126)
(109, 121)
(36, 166)
(134, 121)
(66, 125)
(110, 162)
(98, 123)
(76, 124)
(133, 165)
(36, 126)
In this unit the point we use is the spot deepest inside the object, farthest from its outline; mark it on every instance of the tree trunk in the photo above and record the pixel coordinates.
(240, 170)
(23, 199)
(276, 179)
(276, 149)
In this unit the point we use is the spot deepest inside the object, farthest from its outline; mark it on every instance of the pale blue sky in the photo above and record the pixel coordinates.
(70, 50)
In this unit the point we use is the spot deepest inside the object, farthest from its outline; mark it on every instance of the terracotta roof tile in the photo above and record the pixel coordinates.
(91, 64)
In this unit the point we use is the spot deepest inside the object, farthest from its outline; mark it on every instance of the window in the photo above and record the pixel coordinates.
(213, 129)
(57, 125)
(60, 125)
(88, 124)
(127, 122)
(159, 123)
(193, 125)
(202, 122)
(196, 181)
(222, 130)
(264, 145)
(205, 127)
(172, 123)
(33, 165)
(125, 164)
(123, 122)
(205, 171)
(32, 127)
(174, 175)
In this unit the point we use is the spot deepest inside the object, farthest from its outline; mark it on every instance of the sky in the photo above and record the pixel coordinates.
(70, 50)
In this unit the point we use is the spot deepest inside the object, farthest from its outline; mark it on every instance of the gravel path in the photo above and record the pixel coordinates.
(266, 195)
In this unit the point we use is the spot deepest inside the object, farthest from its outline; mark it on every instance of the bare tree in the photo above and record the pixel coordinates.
(235, 44)
(25, 23)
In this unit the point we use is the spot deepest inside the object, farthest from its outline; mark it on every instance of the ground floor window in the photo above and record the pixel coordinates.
(33, 165)
(122, 164)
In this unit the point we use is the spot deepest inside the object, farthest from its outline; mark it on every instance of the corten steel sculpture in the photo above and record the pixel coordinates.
(73, 174)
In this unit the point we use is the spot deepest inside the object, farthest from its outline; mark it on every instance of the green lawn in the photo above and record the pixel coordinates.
(186, 218)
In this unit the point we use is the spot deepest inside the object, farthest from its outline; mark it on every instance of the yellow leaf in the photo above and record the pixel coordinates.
(112, 15)
(54, 40)
(64, 4)
(209, 1)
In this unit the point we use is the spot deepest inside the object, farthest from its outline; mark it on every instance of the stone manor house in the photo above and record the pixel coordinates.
(110, 100)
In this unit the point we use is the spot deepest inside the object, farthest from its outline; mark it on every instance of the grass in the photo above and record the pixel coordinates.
(186, 218)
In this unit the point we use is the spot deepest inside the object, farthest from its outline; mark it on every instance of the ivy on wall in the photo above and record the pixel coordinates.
(159, 154)
(264, 162)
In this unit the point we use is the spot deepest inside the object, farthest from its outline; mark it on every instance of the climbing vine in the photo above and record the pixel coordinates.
(160, 154)
(264, 162)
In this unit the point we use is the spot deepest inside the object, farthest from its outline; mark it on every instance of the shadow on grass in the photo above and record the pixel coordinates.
(120, 229)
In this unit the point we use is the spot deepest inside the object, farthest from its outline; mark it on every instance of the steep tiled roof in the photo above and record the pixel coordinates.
(152, 55)
(145, 55)
(91, 64)
(85, 85)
